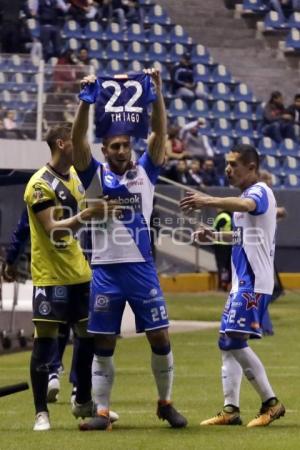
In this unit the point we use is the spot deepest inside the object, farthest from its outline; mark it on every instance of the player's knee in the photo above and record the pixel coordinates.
(159, 338)
(104, 345)
(227, 343)
(42, 353)
(249, 374)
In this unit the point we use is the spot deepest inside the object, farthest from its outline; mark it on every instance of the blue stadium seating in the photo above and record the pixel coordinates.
(200, 55)
(74, 44)
(158, 33)
(244, 127)
(202, 73)
(113, 31)
(221, 91)
(136, 51)
(291, 165)
(202, 90)
(289, 147)
(224, 144)
(221, 109)
(34, 28)
(113, 67)
(176, 53)
(221, 75)
(293, 39)
(245, 140)
(157, 52)
(179, 36)
(199, 108)
(294, 20)
(223, 127)
(135, 66)
(272, 164)
(177, 107)
(242, 110)
(274, 22)
(292, 181)
(72, 29)
(95, 49)
(267, 146)
(135, 33)
(115, 50)
(276, 181)
(93, 30)
(157, 15)
(243, 93)
(255, 5)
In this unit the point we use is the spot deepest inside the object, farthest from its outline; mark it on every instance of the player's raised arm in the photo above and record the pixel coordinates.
(157, 139)
(233, 204)
(81, 149)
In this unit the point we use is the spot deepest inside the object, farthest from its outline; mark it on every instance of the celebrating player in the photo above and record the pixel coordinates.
(253, 239)
(122, 262)
(60, 272)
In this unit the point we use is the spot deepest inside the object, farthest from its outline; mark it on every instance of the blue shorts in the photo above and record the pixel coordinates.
(243, 313)
(114, 284)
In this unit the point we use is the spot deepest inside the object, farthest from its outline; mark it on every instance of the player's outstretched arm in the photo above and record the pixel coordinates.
(157, 139)
(81, 149)
(232, 204)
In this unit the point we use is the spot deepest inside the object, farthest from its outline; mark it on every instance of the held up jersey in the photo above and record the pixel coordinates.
(121, 104)
(62, 262)
(126, 239)
(253, 255)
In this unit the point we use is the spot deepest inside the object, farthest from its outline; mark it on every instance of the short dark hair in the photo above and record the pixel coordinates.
(248, 154)
(297, 96)
(275, 94)
(58, 132)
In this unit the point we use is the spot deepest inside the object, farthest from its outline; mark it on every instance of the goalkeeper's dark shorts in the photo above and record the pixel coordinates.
(62, 304)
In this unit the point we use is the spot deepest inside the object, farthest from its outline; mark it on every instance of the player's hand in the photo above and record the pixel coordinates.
(203, 235)
(104, 208)
(156, 78)
(193, 201)
(9, 273)
(89, 79)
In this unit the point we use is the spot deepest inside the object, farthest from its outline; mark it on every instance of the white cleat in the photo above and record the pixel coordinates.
(53, 389)
(42, 422)
(113, 416)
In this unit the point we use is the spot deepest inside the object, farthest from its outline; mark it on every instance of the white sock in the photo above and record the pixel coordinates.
(254, 372)
(232, 374)
(103, 372)
(163, 371)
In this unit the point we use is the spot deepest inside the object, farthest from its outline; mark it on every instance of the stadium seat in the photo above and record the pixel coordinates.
(245, 140)
(294, 20)
(158, 33)
(74, 45)
(97, 65)
(26, 102)
(293, 39)
(177, 107)
(157, 15)
(135, 33)
(72, 29)
(96, 49)
(202, 73)
(292, 181)
(176, 53)
(136, 51)
(113, 31)
(115, 50)
(243, 93)
(179, 36)
(291, 165)
(221, 75)
(220, 109)
(221, 92)
(164, 72)
(274, 22)
(157, 52)
(14, 64)
(223, 127)
(93, 30)
(135, 66)
(199, 54)
(180, 121)
(244, 127)
(272, 164)
(277, 181)
(242, 110)
(289, 147)
(202, 90)
(113, 67)
(6, 99)
(224, 144)
(255, 5)
(17, 82)
(267, 146)
(32, 84)
(199, 108)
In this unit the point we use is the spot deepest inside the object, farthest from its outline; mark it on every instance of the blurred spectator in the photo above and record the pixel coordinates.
(179, 172)
(65, 73)
(277, 121)
(9, 121)
(174, 145)
(194, 173)
(223, 223)
(12, 29)
(2, 131)
(48, 14)
(294, 110)
(182, 77)
(82, 62)
(209, 173)
(69, 110)
(195, 144)
(82, 11)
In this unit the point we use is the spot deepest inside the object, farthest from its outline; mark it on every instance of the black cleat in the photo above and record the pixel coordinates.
(99, 422)
(166, 411)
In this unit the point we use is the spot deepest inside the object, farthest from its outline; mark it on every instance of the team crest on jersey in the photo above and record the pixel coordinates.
(60, 293)
(131, 174)
(44, 308)
(62, 195)
(153, 292)
(252, 300)
(102, 303)
(37, 192)
(39, 291)
(109, 179)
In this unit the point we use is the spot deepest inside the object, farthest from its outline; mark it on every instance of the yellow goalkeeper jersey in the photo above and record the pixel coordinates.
(61, 262)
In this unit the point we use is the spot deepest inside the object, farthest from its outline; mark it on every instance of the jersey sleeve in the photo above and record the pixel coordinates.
(149, 90)
(151, 169)
(39, 196)
(260, 196)
(87, 175)
(89, 92)
(19, 238)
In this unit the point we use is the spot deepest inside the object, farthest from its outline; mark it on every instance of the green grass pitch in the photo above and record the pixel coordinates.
(197, 391)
